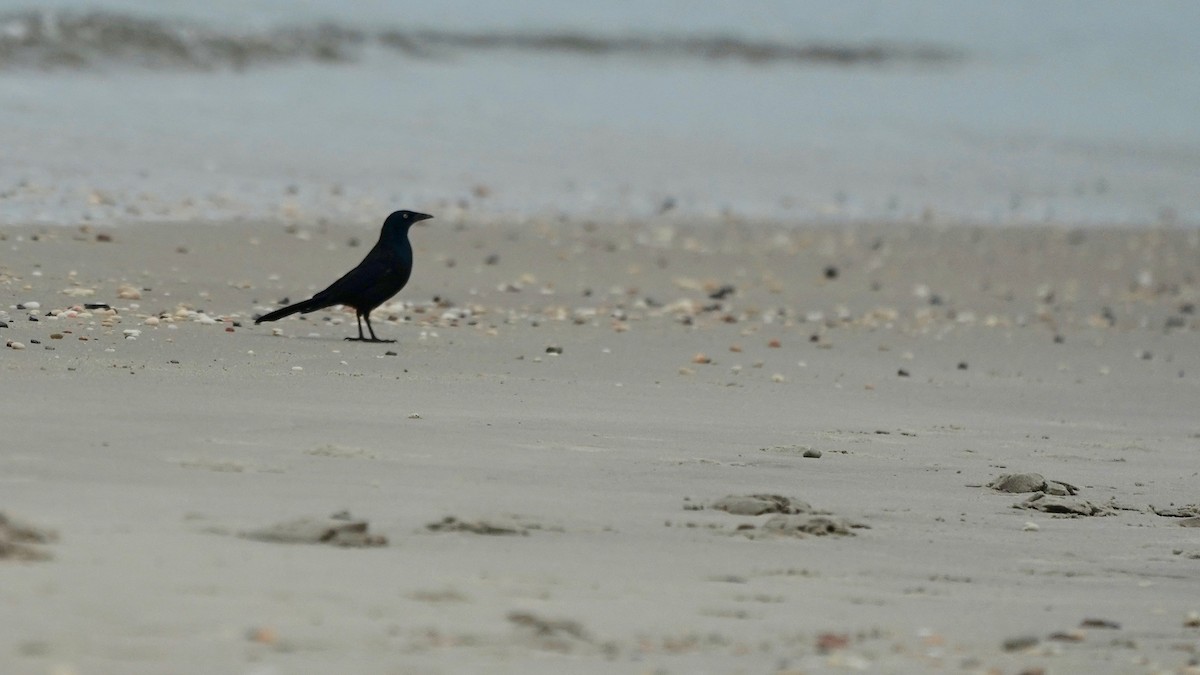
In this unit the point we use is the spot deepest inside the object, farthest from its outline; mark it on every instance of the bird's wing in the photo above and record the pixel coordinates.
(377, 264)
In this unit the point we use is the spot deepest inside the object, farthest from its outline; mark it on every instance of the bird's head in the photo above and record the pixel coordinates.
(403, 219)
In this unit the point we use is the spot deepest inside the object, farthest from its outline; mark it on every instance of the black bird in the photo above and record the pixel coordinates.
(380, 275)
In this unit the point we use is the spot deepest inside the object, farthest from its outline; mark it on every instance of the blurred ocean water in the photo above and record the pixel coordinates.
(1082, 113)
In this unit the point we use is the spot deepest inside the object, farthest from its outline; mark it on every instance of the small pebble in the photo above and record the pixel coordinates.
(32, 304)
(262, 635)
(297, 367)
(1031, 527)
(13, 344)
(774, 344)
(414, 416)
(701, 358)
(778, 377)
(151, 321)
(1021, 643)
(902, 372)
(554, 349)
(812, 453)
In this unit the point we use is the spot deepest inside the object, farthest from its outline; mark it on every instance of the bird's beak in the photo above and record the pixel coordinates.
(418, 217)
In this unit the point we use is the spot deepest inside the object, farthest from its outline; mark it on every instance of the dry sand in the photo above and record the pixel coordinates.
(527, 481)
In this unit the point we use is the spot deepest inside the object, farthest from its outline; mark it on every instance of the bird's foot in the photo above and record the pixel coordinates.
(367, 339)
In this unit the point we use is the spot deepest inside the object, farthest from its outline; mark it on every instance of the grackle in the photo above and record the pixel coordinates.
(381, 274)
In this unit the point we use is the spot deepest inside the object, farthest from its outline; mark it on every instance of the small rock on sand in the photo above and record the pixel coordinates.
(503, 525)
(19, 540)
(1020, 643)
(756, 505)
(1068, 506)
(339, 529)
(1189, 511)
(801, 525)
(1031, 482)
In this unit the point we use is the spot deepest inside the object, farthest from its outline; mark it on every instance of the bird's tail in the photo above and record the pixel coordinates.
(304, 306)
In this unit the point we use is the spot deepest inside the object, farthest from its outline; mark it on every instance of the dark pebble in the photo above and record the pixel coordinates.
(492, 259)
(35, 341)
(721, 292)
(32, 318)
(390, 353)
(1017, 644)
(1058, 339)
(96, 305)
(3, 324)
(962, 365)
(902, 372)
(1187, 308)
(831, 272)
(554, 350)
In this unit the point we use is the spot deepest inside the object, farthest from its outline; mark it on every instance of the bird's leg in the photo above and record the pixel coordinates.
(373, 338)
(360, 337)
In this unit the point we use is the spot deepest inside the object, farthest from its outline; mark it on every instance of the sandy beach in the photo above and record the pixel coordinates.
(534, 477)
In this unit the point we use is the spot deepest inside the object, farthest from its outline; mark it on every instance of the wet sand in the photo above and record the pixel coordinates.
(531, 479)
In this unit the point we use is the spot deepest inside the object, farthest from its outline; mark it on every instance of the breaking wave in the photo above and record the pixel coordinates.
(64, 40)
